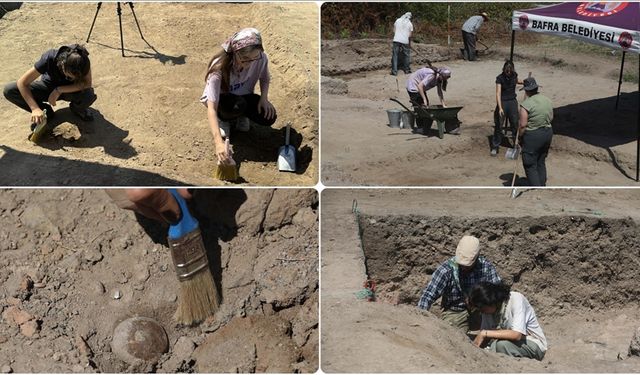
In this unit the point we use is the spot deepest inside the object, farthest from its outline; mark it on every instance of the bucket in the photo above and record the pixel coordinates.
(408, 119)
(395, 116)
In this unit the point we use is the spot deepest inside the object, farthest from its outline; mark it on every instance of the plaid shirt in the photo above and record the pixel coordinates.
(443, 284)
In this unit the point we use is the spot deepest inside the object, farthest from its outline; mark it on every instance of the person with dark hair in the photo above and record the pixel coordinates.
(470, 34)
(425, 79)
(230, 82)
(536, 114)
(66, 75)
(506, 105)
(509, 322)
(401, 51)
(453, 281)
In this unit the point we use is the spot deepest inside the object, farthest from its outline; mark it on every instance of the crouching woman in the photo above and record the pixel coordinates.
(509, 323)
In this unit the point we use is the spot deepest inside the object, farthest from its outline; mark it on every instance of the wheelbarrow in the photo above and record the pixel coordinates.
(425, 116)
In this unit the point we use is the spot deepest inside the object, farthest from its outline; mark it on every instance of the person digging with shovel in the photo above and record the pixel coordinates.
(536, 114)
(229, 91)
(65, 74)
(470, 34)
(454, 279)
(506, 105)
(401, 52)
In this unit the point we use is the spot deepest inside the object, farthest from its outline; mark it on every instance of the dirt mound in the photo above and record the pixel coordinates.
(563, 263)
(360, 55)
(150, 128)
(73, 266)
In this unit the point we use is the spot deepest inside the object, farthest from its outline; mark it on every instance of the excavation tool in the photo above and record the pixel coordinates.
(486, 47)
(287, 153)
(39, 129)
(198, 293)
(227, 170)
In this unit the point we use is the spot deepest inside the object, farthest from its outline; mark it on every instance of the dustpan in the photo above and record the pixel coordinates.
(287, 154)
(512, 153)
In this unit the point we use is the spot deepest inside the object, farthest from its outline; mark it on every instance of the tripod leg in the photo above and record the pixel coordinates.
(94, 20)
(137, 24)
(120, 22)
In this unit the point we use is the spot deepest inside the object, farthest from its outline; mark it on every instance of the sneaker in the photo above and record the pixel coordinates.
(494, 152)
(243, 124)
(84, 115)
(225, 128)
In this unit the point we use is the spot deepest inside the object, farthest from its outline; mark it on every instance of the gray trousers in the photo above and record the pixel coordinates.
(78, 101)
(469, 41)
(510, 108)
(535, 148)
(400, 58)
(522, 348)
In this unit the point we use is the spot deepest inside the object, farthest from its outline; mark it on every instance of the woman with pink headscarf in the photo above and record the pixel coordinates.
(425, 79)
(230, 82)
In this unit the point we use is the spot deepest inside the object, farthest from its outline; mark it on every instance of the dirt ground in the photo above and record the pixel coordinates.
(593, 145)
(572, 252)
(67, 254)
(150, 128)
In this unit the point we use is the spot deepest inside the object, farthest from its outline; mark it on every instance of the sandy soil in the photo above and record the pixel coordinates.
(150, 128)
(592, 145)
(79, 250)
(589, 321)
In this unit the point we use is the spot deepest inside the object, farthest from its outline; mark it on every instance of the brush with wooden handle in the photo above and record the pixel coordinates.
(198, 293)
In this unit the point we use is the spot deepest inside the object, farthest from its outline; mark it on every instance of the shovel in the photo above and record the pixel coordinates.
(512, 154)
(287, 154)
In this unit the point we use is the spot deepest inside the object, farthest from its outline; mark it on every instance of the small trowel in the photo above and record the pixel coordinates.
(287, 154)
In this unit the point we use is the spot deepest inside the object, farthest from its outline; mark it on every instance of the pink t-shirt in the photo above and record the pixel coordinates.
(240, 83)
(425, 75)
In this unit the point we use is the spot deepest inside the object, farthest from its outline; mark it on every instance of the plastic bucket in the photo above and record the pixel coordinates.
(408, 119)
(395, 116)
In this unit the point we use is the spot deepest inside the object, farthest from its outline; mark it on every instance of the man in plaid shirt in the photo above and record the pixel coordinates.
(454, 279)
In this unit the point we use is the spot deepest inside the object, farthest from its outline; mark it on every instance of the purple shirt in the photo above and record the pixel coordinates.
(240, 83)
(425, 75)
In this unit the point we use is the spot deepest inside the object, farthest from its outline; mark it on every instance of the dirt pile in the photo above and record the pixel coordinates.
(361, 55)
(92, 266)
(562, 264)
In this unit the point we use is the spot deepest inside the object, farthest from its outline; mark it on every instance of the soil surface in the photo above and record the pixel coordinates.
(593, 145)
(150, 128)
(73, 266)
(572, 253)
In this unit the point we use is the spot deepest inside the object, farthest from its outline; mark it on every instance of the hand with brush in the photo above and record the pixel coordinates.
(198, 293)
(157, 204)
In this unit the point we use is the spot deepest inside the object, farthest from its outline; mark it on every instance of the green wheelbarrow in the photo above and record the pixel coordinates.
(443, 116)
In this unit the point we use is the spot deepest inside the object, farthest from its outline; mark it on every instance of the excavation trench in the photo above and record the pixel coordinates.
(563, 264)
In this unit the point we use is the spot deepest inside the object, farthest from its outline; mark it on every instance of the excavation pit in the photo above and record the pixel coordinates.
(563, 264)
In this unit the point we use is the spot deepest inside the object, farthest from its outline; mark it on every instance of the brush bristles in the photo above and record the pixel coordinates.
(226, 172)
(198, 299)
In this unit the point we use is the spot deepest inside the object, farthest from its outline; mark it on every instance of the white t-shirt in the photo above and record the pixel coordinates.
(403, 29)
(519, 316)
(241, 83)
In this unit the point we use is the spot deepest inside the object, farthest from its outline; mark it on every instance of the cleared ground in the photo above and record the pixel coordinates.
(150, 128)
(593, 143)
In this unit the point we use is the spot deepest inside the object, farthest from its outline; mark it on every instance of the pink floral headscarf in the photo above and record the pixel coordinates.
(243, 38)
